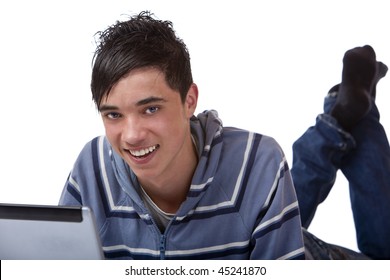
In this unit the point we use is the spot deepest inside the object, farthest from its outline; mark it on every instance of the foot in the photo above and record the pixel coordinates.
(359, 76)
(380, 73)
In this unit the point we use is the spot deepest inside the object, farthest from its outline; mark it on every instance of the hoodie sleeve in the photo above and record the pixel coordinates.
(277, 232)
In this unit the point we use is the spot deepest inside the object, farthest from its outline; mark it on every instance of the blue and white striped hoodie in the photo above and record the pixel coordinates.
(241, 203)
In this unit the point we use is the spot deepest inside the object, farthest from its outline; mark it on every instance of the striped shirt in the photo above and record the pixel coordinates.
(241, 203)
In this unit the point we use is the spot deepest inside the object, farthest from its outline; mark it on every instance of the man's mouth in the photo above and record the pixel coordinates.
(144, 152)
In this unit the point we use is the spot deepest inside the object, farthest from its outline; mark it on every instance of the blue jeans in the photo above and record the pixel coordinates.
(364, 158)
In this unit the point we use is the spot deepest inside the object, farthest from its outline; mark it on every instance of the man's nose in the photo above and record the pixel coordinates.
(133, 130)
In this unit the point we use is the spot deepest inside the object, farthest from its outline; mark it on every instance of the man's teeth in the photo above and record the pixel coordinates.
(142, 152)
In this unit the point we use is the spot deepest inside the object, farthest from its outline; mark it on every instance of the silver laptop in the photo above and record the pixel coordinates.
(48, 232)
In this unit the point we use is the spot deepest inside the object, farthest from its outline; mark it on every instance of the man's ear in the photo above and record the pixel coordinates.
(191, 100)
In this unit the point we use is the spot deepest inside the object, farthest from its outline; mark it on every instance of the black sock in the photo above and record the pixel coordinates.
(354, 96)
(380, 73)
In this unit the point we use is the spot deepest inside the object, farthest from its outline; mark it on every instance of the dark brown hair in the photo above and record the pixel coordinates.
(140, 42)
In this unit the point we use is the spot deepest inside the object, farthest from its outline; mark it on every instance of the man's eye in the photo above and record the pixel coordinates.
(151, 110)
(113, 116)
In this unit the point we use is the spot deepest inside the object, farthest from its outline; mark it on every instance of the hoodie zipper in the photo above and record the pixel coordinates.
(162, 243)
(162, 247)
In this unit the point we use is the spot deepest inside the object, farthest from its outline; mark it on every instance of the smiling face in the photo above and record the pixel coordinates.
(148, 125)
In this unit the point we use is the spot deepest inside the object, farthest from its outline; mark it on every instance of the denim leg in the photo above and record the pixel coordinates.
(317, 156)
(364, 158)
(316, 249)
(367, 169)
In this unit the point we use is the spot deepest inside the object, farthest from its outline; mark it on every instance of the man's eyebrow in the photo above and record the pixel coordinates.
(149, 100)
(142, 102)
(107, 108)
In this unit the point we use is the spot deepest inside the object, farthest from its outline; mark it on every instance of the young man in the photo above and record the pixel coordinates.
(164, 184)
(349, 137)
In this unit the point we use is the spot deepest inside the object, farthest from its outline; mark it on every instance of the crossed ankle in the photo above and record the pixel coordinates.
(349, 111)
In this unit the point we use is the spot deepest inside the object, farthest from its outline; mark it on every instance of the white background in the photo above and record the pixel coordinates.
(264, 65)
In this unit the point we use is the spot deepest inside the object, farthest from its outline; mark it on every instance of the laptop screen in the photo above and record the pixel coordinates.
(48, 232)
